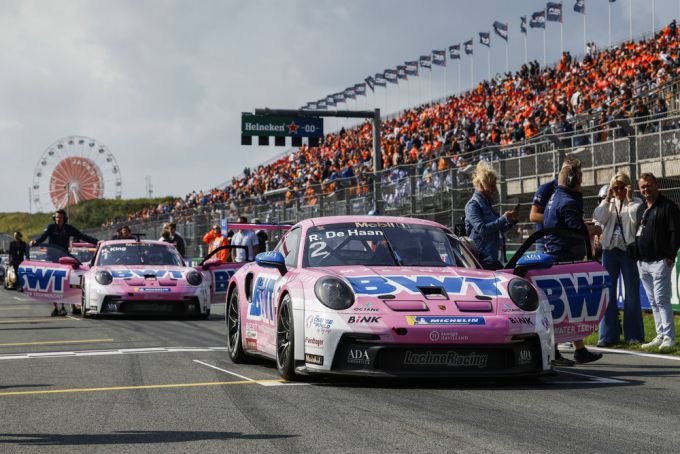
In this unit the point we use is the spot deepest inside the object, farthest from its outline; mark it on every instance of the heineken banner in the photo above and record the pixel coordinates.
(260, 125)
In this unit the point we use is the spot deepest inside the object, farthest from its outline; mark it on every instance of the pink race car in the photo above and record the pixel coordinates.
(386, 296)
(126, 277)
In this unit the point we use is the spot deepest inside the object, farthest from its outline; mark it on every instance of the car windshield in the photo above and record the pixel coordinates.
(139, 254)
(384, 244)
(84, 254)
(46, 253)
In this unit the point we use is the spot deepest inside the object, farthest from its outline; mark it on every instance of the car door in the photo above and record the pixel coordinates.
(217, 274)
(577, 292)
(267, 285)
(43, 278)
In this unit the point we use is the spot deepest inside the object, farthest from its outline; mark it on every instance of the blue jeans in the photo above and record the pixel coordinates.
(618, 262)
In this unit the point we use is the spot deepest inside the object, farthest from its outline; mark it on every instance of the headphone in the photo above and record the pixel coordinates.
(573, 178)
(54, 216)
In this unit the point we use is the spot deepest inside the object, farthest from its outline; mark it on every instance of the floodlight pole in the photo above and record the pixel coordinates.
(369, 114)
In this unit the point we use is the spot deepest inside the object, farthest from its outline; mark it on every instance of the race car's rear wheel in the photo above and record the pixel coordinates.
(233, 316)
(285, 340)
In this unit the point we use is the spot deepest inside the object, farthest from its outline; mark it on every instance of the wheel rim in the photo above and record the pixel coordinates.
(283, 336)
(233, 320)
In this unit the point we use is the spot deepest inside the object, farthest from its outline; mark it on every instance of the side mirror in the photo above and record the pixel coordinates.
(534, 261)
(272, 259)
(69, 261)
(210, 263)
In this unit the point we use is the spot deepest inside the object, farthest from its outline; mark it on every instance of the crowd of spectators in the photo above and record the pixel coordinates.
(574, 95)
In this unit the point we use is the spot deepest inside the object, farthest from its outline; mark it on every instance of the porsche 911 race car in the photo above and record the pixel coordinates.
(385, 296)
(130, 277)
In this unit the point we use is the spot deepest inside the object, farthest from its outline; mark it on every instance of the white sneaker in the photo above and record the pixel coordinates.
(658, 340)
(668, 342)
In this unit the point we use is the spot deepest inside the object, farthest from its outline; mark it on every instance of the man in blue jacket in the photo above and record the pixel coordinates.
(565, 210)
(60, 234)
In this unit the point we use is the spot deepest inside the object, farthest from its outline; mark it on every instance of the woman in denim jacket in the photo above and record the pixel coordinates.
(617, 215)
(482, 223)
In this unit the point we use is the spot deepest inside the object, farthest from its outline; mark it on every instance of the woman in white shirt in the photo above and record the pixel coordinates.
(617, 215)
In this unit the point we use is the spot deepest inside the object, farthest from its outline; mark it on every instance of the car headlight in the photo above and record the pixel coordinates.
(334, 293)
(103, 277)
(523, 294)
(194, 278)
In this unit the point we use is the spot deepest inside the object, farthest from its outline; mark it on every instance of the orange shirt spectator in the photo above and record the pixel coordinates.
(214, 239)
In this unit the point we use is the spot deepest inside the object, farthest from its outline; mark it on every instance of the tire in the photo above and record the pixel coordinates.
(233, 322)
(285, 340)
(83, 312)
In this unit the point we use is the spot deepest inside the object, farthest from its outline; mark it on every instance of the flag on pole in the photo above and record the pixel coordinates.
(485, 39)
(501, 29)
(330, 101)
(580, 6)
(339, 97)
(426, 61)
(401, 72)
(468, 47)
(439, 57)
(523, 24)
(554, 12)
(390, 76)
(380, 80)
(454, 52)
(370, 82)
(349, 93)
(537, 19)
(360, 89)
(411, 68)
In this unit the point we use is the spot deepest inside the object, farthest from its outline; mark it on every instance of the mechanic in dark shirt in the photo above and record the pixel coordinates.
(538, 204)
(18, 251)
(565, 210)
(60, 234)
(657, 241)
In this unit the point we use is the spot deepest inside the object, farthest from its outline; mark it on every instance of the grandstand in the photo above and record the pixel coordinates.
(615, 109)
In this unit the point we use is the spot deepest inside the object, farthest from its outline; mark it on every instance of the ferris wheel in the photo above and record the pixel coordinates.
(74, 169)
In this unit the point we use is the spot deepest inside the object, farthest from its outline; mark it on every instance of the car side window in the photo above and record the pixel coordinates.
(289, 246)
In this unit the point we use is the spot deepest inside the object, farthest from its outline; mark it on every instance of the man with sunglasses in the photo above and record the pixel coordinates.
(657, 241)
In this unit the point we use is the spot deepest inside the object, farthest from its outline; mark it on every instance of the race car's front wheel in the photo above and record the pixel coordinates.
(236, 352)
(83, 310)
(285, 340)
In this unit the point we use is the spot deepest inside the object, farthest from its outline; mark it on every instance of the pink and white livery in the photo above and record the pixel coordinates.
(371, 295)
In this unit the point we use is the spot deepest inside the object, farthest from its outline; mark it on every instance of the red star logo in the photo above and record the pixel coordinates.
(292, 128)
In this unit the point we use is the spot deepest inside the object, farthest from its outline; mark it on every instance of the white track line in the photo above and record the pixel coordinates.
(224, 370)
(594, 379)
(120, 351)
(19, 299)
(247, 378)
(636, 353)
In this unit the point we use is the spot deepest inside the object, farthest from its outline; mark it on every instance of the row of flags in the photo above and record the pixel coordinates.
(552, 13)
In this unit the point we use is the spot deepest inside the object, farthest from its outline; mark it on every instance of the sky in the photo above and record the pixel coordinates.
(161, 84)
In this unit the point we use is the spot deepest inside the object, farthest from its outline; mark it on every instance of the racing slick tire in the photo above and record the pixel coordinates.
(285, 340)
(233, 320)
(83, 312)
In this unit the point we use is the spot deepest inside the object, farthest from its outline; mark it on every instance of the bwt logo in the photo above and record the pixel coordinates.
(42, 279)
(578, 298)
(129, 274)
(262, 305)
(221, 280)
(378, 285)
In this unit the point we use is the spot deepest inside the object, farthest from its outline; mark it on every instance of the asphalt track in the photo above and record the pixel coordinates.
(163, 386)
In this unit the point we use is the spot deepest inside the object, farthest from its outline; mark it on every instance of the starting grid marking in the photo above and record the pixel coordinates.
(120, 351)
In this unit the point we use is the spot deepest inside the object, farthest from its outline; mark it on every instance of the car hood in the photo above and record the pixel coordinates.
(422, 283)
